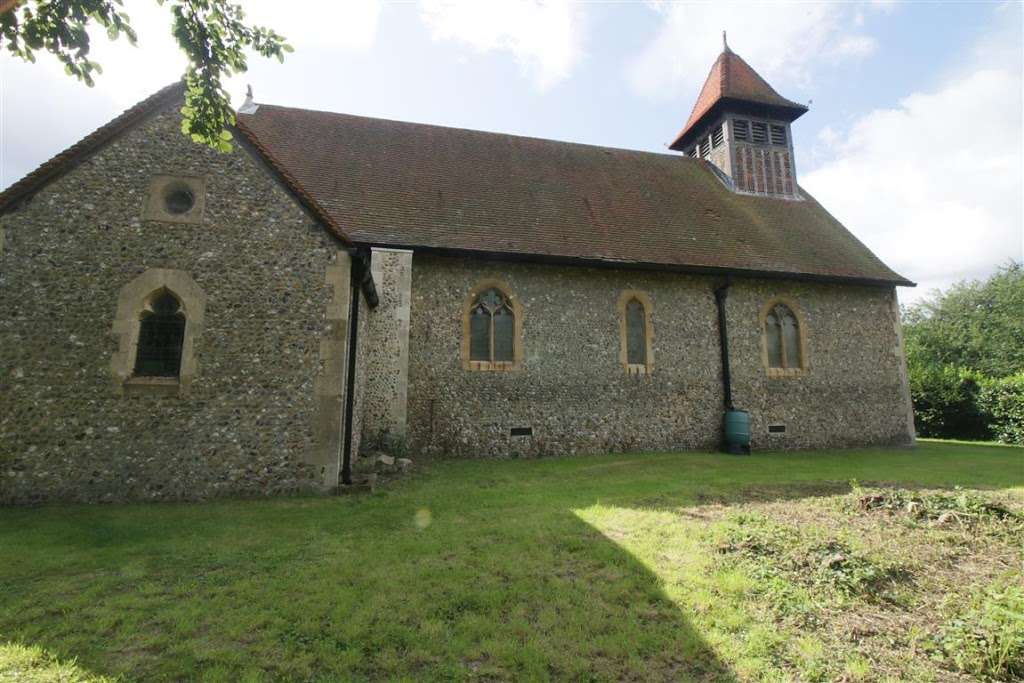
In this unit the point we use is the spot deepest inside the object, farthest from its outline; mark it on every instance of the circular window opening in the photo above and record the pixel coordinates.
(179, 200)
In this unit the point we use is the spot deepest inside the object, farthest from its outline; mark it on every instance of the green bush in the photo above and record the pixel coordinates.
(1002, 401)
(946, 402)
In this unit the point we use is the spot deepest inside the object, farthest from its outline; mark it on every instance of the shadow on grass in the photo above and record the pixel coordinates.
(341, 589)
(471, 570)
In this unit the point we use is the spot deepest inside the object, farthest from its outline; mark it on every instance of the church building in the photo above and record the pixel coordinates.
(177, 323)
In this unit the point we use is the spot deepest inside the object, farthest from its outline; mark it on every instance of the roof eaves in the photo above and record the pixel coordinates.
(609, 262)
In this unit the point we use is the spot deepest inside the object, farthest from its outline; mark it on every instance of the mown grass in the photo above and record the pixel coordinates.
(583, 568)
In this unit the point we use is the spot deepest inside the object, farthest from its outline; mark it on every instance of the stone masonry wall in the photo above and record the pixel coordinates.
(247, 425)
(386, 343)
(575, 394)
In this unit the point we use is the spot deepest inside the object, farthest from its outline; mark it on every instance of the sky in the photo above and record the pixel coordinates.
(913, 139)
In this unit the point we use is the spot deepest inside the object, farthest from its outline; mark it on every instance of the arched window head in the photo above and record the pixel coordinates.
(782, 338)
(161, 336)
(635, 332)
(492, 328)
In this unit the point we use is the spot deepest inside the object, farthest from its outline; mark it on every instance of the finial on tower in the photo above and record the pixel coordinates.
(725, 43)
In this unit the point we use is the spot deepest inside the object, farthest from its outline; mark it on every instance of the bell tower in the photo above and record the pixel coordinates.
(741, 125)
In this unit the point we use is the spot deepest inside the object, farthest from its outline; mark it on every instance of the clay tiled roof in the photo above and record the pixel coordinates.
(733, 79)
(390, 183)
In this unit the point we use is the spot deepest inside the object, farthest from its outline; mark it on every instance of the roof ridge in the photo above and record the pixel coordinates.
(764, 81)
(724, 80)
(460, 129)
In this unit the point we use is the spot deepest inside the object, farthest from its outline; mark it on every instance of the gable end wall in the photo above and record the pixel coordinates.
(248, 424)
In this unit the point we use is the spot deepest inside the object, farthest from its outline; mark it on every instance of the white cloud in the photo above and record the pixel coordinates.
(855, 46)
(934, 185)
(783, 40)
(545, 36)
(340, 24)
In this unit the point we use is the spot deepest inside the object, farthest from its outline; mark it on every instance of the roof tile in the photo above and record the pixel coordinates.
(414, 185)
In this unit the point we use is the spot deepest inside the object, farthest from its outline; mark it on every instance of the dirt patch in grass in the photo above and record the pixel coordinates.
(886, 581)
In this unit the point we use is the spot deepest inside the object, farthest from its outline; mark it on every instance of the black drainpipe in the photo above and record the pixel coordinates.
(350, 383)
(723, 340)
(361, 282)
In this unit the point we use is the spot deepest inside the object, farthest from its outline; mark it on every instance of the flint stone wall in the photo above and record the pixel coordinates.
(385, 354)
(576, 396)
(248, 423)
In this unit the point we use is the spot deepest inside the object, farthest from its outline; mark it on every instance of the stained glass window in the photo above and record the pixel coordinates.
(492, 328)
(782, 338)
(161, 335)
(636, 333)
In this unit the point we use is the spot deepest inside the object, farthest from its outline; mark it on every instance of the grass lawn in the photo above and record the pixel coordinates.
(676, 566)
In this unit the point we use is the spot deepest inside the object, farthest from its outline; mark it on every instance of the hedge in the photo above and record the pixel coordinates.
(1002, 402)
(946, 402)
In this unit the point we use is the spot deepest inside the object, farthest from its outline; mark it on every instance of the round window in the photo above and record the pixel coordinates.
(179, 200)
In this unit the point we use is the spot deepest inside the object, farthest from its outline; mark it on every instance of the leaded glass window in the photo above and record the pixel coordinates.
(782, 338)
(161, 335)
(492, 328)
(636, 333)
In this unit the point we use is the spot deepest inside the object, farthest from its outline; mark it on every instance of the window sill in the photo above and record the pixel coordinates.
(152, 386)
(491, 366)
(785, 372)
(637, 369)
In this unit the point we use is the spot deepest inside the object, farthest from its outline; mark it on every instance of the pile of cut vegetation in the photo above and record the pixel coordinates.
(811, 559)
(940, 508)
(892, 583)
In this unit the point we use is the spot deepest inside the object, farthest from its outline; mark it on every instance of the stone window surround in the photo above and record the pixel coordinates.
(801, 334)
(155, 209)
(645, 301)
(517, 329)
(131, 303)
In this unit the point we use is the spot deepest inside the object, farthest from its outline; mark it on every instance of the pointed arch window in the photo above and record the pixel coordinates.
(492, 330)
(636, 352)
(783, 340)
(160, 317)
(161, 336)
